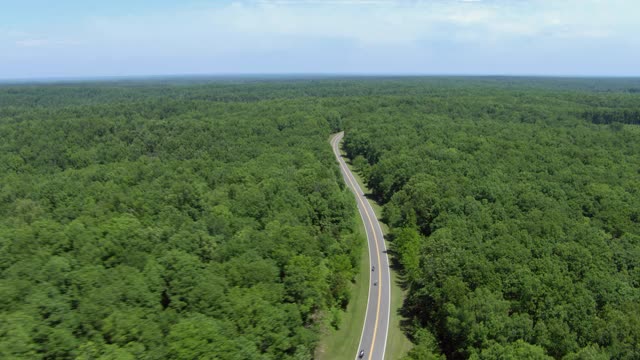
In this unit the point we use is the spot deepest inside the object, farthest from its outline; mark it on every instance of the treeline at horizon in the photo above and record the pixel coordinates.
(515, 220)
(208, 219)
(163, 228)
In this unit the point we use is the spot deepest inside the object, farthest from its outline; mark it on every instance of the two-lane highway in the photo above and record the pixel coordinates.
(373, 340)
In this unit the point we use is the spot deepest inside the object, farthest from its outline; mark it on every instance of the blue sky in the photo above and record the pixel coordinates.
(72, 38)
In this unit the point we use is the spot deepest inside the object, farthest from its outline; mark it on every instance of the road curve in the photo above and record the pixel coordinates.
(376, 323)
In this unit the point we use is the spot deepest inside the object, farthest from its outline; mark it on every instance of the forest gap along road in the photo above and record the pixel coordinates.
(373, 340)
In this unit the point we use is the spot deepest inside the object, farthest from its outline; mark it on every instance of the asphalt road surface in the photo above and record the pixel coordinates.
(373, 340)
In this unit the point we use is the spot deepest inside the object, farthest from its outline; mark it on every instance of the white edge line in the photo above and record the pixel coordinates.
(386, 333)
(386, 257)
(343, 166)
(384, 249)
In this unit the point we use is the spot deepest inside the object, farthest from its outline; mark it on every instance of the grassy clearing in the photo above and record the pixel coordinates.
(343, 343)
(398, 345)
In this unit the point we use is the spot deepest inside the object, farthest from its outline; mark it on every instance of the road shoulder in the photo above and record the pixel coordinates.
(336, 344)
(398, 344)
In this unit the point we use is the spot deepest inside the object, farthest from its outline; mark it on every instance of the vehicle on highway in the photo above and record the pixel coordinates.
(361, 354)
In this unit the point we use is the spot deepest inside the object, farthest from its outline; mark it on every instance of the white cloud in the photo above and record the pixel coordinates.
(348, 34)
(41, 42)
(32, 42)
(283, 24)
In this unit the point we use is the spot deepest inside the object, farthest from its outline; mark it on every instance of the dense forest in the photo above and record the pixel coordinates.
(163, 228)
(515, 219)
(206, 218)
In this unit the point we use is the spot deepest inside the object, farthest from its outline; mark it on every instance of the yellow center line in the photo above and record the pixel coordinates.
(375, 238)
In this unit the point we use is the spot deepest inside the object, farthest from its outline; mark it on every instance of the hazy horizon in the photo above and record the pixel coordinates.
(76, 40)
(278, 76)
